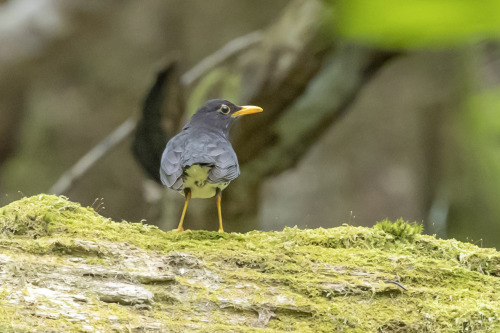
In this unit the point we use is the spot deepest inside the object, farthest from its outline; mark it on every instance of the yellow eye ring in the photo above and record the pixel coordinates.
(224, 109)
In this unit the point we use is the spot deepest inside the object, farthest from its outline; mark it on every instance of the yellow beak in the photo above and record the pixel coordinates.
(247, 109)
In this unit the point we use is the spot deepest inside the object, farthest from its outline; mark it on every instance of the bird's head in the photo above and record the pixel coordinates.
(220, 114)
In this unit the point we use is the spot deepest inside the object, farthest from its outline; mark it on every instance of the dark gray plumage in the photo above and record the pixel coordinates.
(200, 162)
(200, 158)
(198, 146)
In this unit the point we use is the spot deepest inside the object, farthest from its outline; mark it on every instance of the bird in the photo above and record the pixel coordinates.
(200, 162)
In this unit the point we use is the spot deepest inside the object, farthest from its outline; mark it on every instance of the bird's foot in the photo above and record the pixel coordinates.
(221, 230)
(179, 230)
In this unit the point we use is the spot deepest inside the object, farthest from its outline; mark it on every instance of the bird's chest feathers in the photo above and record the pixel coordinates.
(196, 179)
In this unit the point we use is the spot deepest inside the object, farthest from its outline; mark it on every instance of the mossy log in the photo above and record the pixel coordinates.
(65, 268)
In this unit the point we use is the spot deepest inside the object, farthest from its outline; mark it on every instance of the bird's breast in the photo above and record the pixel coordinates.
(195, 178)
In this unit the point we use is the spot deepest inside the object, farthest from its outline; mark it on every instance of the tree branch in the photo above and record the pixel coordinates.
(65, 268)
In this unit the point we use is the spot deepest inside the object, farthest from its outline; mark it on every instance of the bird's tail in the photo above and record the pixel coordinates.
(161, 114)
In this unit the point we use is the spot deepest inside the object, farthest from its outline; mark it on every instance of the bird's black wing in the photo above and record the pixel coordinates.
(226, 167)
(171, 162)
(189, 148)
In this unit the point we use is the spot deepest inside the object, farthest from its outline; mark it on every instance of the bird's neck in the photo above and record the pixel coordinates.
(218, 127)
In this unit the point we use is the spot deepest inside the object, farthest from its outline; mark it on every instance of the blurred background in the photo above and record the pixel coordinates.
(373, 109)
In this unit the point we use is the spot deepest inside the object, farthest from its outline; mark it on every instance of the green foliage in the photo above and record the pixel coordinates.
(481, 125)
(417, 23)
(401, 229)
(476, 167)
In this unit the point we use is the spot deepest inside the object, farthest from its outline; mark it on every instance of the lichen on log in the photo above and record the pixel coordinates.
(65, 268)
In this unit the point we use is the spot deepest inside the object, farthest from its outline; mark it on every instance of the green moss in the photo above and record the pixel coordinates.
(400, 229)
(319, 280)
(4, 292)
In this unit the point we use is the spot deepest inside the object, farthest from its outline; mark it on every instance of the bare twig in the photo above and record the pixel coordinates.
(126, 129)
(218, 57)
(95, 154)
(397, 284)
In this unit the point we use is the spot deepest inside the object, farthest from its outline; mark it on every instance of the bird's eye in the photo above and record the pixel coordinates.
(224, 109)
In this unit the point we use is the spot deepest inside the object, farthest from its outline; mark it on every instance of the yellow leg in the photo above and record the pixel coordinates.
(188, 196)
(218, 210)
